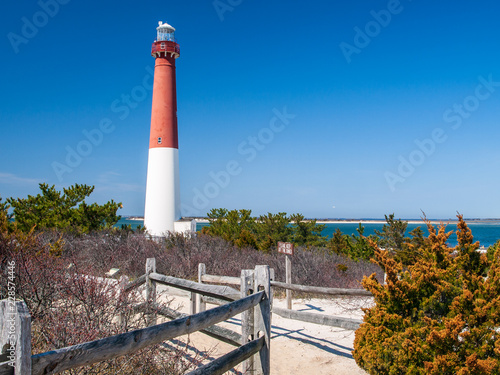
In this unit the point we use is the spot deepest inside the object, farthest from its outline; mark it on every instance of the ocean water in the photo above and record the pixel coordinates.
(486, 233)
(133, 223)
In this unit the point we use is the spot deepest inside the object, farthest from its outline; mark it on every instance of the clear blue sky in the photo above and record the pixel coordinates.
(386, 106)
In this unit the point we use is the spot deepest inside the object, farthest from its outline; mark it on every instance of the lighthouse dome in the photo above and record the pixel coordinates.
(165, 32)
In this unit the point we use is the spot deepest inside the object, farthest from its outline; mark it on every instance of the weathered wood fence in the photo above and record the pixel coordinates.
(288, 313)
(253, 301)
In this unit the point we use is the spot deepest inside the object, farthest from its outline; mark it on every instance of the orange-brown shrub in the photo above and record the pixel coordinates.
(440, 315)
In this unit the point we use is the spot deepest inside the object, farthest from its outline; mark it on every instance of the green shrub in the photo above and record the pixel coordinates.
(355, 246)
(241, 229)
(65, 210)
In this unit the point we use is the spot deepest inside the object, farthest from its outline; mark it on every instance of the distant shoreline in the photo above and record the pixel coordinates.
(377, 221)
(410, 221)
(356, 221)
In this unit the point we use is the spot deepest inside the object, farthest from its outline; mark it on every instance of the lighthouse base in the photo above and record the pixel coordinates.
(186, 226)
(162, 191)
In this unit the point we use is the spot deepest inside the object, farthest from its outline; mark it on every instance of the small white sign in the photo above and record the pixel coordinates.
(285, 248)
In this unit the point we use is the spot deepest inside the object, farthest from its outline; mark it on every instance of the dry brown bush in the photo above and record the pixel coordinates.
(72, 305)
(179, 256)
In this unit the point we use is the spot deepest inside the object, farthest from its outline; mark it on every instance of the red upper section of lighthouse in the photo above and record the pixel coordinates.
(164, 108)
(163, 47)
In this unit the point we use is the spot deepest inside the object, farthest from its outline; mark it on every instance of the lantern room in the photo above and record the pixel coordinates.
(165, 32)
(165, 43)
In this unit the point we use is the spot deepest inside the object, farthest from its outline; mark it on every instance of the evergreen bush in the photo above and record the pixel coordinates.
(440, 314)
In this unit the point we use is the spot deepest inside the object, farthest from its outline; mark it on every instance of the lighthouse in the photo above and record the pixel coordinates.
(162, 208)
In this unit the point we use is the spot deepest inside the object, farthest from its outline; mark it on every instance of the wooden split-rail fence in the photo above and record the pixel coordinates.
(253, 301)
(322, 319)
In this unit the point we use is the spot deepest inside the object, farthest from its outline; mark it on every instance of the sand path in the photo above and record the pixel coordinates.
(296, 347)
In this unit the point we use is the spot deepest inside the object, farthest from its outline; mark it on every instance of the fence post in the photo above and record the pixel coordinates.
(262, 319)
(192, 303)
(150, 289)
(124, 280)
(202, 270)
(288, 280)
(247, 318)
(15, 327)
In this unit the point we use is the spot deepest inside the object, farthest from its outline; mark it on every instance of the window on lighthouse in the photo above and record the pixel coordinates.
(165, 34)
(159, 140)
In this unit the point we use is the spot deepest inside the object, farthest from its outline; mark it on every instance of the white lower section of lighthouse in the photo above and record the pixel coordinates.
(163, 206)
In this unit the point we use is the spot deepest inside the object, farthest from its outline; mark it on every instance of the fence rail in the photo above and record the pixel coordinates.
(220, 333)
(231, 359)
(135, 284)
(256, 306)
(129, 342)
(221, 279)
(288, 313)
(322, 290)
(216, 291)
(322, 319)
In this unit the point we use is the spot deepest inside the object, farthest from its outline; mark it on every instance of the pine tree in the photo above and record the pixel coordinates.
(66, 210)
